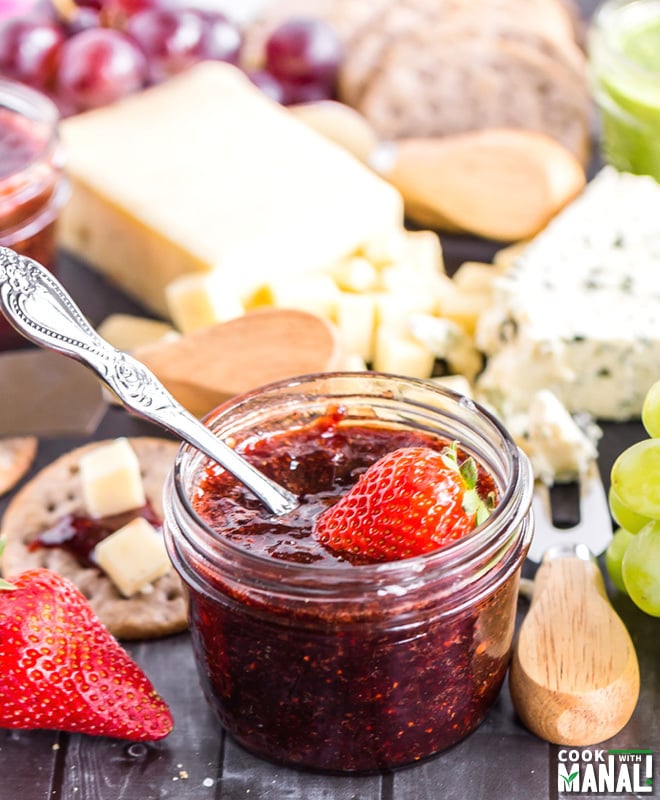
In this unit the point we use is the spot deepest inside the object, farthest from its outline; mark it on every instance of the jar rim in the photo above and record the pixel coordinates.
(482, 542)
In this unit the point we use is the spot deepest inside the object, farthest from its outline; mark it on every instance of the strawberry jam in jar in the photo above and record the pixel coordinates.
(33, 186)
(335, 662)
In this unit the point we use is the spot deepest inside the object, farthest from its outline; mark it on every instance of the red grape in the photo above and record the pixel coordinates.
(170, 39)
(304, 50)
(99, 66)
(29, 50)
(221, 39)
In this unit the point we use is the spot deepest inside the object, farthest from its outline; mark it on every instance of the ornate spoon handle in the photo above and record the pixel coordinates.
(39, 307)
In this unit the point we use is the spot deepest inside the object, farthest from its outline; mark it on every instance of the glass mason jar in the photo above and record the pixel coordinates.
(359, 668)
(33, 186)
(624, 55)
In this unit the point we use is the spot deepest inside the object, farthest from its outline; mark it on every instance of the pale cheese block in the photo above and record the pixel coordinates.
(205, 173)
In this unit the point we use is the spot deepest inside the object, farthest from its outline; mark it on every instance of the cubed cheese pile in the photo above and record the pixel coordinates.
(204, 199)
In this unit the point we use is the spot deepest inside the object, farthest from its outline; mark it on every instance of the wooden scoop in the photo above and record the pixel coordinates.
(206, 367)
(501, 183)
(574, 675)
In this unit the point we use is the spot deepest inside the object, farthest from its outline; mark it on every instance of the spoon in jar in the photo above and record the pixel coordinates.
(39, 307)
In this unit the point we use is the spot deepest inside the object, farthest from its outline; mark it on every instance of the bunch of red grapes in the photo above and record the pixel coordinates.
(89, 53)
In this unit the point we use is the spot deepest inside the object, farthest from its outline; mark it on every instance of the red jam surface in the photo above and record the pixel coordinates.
(28, 184)
(362, 685)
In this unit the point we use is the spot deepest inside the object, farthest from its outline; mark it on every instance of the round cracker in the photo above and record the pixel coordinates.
(16, 456)
(57, 491)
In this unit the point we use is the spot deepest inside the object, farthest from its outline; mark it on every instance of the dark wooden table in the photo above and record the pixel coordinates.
(500, 760)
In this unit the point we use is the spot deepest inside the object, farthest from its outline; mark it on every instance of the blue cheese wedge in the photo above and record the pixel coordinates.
(578, 311)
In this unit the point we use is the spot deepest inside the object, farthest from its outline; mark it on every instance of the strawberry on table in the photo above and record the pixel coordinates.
(60, 668)
(412, 501)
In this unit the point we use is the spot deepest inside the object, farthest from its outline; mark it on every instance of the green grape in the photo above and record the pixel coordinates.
(635, 478)
(624, 516)
(640, 569)
(651, 410)
(614, 556)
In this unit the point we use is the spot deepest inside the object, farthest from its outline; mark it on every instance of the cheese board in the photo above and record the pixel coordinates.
(198, 759)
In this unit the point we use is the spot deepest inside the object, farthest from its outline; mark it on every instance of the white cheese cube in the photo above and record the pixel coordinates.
(133, 557)
(448, 341)
(385, 248)
(423, 252)
(196, 301)
(356, 321)
(463, 307)
(399, 354)
(111, 480)
(355, 274)
(474, 276)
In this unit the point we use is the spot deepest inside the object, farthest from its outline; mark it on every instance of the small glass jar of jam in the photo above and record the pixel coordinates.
(33, 186)
(331, 663)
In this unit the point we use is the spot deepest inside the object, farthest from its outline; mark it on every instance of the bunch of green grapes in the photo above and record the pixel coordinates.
(633, 556)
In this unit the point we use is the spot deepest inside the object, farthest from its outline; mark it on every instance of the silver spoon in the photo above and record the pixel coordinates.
(39, 307)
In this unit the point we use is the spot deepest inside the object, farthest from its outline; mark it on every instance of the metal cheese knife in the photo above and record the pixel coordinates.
(574, 675)
(593, 524)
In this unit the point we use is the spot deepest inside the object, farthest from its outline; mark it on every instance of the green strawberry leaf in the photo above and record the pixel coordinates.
(450, 457)
(473, 504)
(468, 470)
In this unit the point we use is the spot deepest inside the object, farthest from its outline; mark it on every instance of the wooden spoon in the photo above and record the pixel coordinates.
(500, 183)
(574, 675)
(206, 367)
